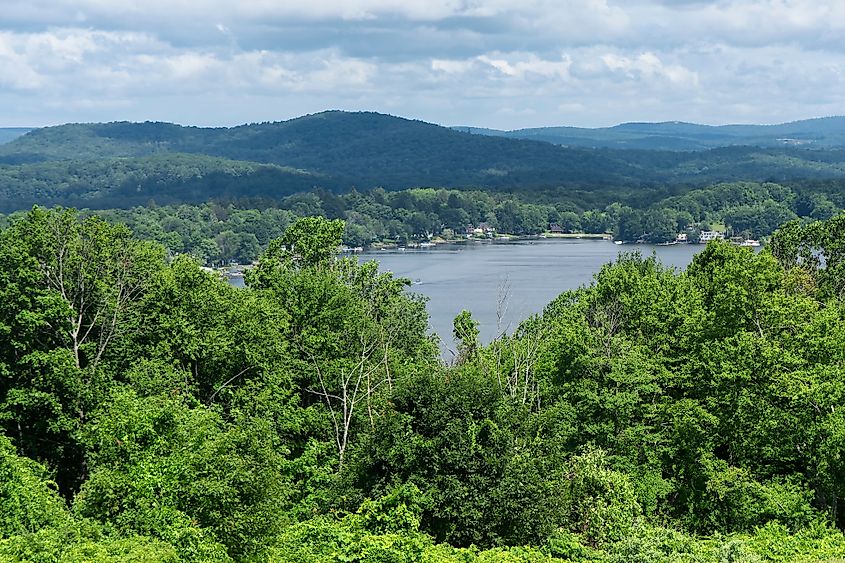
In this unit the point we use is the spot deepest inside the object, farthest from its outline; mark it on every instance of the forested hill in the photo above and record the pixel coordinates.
(826, 132)
(365, 147)
(124, 164)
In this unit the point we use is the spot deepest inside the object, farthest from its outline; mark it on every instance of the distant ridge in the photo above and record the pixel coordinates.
(823, 132)
(361, 149)
(122, 164)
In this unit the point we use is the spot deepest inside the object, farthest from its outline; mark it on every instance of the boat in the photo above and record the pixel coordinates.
(617, 242)
(750, 242)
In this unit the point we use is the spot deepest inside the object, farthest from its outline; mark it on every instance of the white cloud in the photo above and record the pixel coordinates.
(15, 70)
(529, 67)
(451, 66)
(486, 62)
(649, 66)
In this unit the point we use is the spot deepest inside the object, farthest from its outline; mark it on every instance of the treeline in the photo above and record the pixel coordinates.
(220, 232)
(151, 411)
(743, 209)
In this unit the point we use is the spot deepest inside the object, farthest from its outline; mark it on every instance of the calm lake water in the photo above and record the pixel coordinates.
(531, 273)
(528, 273)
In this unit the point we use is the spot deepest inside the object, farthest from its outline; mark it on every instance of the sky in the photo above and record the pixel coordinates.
(486, 63)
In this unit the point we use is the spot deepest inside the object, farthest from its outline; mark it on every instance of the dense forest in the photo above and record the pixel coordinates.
(219, 232)
(120, 165)
(152, 412)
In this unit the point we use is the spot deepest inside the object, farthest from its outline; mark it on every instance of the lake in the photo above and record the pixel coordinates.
(526, 274)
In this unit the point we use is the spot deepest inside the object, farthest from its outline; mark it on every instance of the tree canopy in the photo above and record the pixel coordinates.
(151, 411)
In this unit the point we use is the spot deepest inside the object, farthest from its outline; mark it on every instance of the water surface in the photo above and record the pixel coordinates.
(524, 275)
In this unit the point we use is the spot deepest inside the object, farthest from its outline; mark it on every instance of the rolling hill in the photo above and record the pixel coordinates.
(121, 164)
(365, 149)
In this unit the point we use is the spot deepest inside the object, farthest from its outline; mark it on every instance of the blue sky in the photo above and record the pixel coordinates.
(488, 63)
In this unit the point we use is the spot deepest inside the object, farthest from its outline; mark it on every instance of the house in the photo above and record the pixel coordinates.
(706, 236)
(487, 228)
(555, 228)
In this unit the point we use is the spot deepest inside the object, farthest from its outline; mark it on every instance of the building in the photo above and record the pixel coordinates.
(706, 236)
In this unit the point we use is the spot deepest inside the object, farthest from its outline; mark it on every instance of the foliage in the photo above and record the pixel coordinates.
(69, 294)
(163, 469)
(466, 334)
(27, 502)
(151, 411)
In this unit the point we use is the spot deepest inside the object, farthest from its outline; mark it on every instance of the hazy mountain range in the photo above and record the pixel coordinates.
(823, 132)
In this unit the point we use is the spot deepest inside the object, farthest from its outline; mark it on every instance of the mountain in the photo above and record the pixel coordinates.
(122, 164)
(343, 150)
(10, 133)
(826, 132)
(364, 149)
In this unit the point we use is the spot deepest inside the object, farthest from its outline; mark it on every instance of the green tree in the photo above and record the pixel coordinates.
(465, 331)
(70, 291)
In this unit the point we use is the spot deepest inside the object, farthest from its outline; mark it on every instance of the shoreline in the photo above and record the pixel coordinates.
(235, 271)
(498, 238)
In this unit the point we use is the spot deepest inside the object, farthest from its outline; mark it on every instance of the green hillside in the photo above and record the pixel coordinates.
(356, 148)
(165, 178)
(123, 164)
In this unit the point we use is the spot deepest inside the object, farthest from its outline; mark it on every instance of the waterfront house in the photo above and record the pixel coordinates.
(706, 236)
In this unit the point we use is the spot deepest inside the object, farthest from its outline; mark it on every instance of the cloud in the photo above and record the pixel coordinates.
(495, 63)
(649, 66)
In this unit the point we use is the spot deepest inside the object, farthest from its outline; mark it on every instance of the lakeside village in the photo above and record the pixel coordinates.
(486, 232)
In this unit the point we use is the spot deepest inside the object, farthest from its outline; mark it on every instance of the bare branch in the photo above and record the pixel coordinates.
(230, 380)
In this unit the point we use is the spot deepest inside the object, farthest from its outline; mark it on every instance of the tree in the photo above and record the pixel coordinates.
(594, 222)
(69, 295)
(168, 469)
(312, 241)
(97, 269)
(465, 331)
(349, 325)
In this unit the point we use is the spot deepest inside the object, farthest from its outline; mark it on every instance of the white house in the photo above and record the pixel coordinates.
(706, 236)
